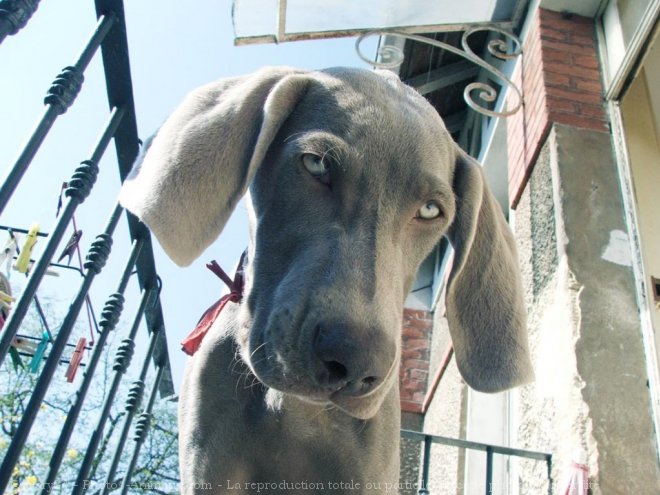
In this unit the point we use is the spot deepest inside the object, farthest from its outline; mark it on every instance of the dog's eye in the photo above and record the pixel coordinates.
(430, 211)
(317, 166)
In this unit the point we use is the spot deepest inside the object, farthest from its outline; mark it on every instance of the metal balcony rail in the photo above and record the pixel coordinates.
(109, 34)
(490, 450)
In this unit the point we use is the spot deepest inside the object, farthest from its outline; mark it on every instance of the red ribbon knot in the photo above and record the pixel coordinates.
(191, 343)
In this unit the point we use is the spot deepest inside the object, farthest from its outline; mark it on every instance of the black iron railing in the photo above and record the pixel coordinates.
(490, 450)
(109, 34)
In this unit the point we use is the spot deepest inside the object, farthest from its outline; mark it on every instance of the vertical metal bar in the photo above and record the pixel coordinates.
(122, 360)
(550, 483)
(281, 21)
(133, 402)
(60, 97)
(117, 69)
(14, 15)
(489, 470)
(426, 460)
(96, 259)
(80, 186)
(110, 316)
(141, 430)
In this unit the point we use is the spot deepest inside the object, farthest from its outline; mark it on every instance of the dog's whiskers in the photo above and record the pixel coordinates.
(249, 386)
(263, 344)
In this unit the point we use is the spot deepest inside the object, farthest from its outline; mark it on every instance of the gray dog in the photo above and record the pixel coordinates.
(353, 179)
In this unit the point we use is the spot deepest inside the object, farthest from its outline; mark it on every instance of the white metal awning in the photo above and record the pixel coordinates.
(274, 21)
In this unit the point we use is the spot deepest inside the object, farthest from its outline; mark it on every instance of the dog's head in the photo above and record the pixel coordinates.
(353, 180)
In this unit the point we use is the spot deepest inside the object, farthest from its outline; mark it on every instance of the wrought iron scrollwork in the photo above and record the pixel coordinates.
(506, 48)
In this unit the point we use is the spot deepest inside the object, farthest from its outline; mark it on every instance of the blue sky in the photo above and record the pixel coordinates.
(174, 47)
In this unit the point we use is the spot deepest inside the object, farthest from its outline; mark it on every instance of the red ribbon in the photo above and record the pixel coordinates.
(191, 343)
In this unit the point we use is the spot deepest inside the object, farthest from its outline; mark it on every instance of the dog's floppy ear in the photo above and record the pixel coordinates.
(201, 161)
(485, 307)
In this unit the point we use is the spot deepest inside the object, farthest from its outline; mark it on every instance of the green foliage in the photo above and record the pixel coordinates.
(156, 470)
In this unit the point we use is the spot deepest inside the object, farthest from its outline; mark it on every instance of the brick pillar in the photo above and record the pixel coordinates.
(415, 357)
(561, 83)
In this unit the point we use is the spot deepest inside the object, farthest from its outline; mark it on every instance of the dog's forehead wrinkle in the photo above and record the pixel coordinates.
(365, 99)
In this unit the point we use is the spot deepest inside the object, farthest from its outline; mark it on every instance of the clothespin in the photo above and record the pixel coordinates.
(39, 353)
(71, 246)
(9, 251)
(6, 300)
(49, 272)
(16, 358)
(13, 353)
(76, 358)
(23, 261)
(59, 200)
(23, 344)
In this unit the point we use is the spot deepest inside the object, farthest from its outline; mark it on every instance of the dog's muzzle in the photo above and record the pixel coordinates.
(348, 366)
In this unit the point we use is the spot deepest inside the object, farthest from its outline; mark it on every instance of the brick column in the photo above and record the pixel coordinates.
(561, 83)
(415, 357)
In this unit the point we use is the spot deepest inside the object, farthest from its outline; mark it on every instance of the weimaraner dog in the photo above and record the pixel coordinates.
(352, 180)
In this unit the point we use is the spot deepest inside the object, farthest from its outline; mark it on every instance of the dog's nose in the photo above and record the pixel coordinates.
(349, 359)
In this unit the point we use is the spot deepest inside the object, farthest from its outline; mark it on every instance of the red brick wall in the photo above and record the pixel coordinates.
(561, 83)
(415, 356)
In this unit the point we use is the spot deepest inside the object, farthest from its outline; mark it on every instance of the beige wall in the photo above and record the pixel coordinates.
(641, 111)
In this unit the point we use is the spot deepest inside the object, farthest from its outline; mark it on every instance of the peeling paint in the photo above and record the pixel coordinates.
(618, 249)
